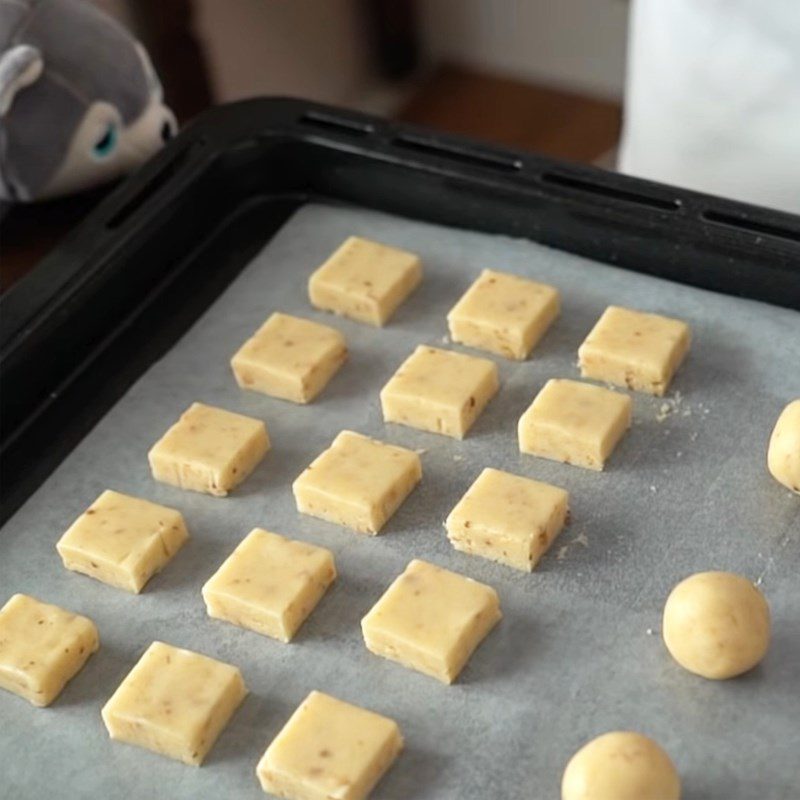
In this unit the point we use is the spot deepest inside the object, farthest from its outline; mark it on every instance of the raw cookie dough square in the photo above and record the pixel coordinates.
(42, 647)
(431, 620)
(290, 358)
(269, 584)
(357, 482)
(574, 422)
(365, 280)
(783, 455)
(504, 314)
(174, 702)
(122, 541)
(634, 349)
(329, 749)
(508, 518)
(209, 450)
(439, 391)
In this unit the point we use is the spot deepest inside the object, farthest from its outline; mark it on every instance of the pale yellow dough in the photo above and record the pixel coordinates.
(504, 314)
(621, 765)
(508, 518)
(439, 391)
(174, 702)
(634, 349)
(329, 750)
(574, 422)
(122, 541)
(290, 358)
(431, 620)
(783, 456)
(357, 482)
(716, 624)
(269, 584)
(42, 647)
(209, 450)
(365, 280)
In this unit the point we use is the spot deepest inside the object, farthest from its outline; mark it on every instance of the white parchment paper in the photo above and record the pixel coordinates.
(578, 651)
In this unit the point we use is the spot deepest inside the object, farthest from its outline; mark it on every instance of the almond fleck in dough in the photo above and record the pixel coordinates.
(621, 765)
(574, 422)
(783, 456)
(365, 280)
(357, 482)
(716, 624)
(122, 540)
(431, 620)
(42, 647)
(329, 749)
(508, 518)
(269, 584)
(209, 450)
(633, 349)
(504, 314)
(289, 358)
(439, 391)
(174, 702)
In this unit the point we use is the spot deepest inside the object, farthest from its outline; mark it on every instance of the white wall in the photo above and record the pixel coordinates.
(318, 48)
(573, 44)
(309, 48)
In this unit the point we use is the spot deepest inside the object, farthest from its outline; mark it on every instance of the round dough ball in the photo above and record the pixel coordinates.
(716, 624)
(621, 765)
(783, 455)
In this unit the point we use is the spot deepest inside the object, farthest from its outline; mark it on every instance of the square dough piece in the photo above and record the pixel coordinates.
(174, 702)
(269, 584)
(508, 518)
(365, 280)
(783, 455)
(439, 391)
(357, 482)
(634, 349)
(209, 450)
(504, 314)
(329, 749)
(41, 648)
(122, 541)
(574, 422)
(431, 620)
(290, 358)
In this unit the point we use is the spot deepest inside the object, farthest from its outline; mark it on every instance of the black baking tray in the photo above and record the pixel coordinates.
(96, 312)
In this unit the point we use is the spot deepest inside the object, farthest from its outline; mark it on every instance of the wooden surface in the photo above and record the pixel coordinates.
(31, 230)
(516, 114)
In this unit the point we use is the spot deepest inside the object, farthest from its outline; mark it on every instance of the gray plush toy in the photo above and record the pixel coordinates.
(80, 103)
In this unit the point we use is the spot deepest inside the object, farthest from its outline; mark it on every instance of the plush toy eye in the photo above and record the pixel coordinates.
(106, 144)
